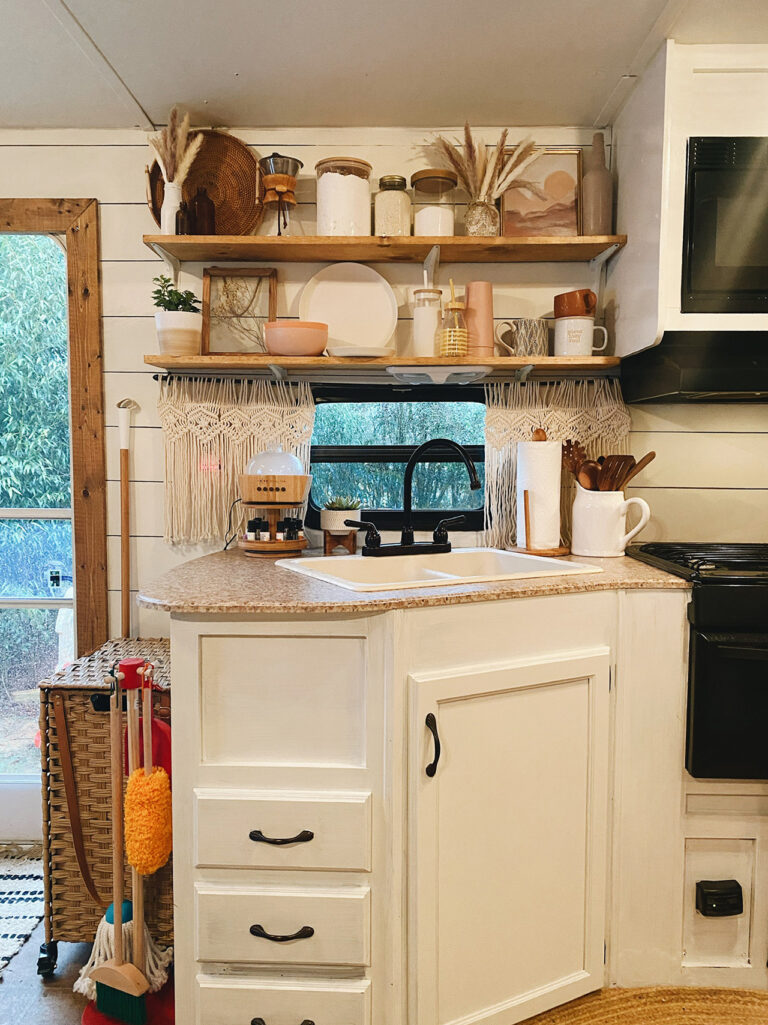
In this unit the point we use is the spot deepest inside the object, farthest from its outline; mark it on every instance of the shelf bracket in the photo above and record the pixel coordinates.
(523, 373)
(432, 265)
(605, 256)
(173, 265)
(278, 373)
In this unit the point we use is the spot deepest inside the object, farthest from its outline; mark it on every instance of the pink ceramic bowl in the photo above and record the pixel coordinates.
(295, 337)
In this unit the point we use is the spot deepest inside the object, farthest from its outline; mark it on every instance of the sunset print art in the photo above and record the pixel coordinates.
(558, 173)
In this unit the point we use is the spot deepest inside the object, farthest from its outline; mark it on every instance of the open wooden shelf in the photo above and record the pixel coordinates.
(383, 249)
(500, 366)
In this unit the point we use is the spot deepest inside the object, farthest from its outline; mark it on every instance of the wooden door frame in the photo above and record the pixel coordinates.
(78, 220)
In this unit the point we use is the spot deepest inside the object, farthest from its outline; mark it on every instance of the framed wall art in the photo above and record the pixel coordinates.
(237, 303)
(557, 172)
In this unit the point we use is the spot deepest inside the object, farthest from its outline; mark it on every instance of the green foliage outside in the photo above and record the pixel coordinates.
(380, 485)
(34, 473)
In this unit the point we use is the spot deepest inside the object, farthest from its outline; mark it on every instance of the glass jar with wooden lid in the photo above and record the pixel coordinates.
(392, 206)
(433, 208)
(343, 196)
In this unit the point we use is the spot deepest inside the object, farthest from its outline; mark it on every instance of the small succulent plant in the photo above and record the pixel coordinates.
(167, 297)
(342, 502)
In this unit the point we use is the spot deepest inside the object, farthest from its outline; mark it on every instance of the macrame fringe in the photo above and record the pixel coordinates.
(590, 411)
(158, 959)
(212, 427)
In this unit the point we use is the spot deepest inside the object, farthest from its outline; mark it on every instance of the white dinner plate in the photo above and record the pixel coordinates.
(356, 303)
(360, 350)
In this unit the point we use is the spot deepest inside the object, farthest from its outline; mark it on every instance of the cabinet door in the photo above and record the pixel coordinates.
(508, 839)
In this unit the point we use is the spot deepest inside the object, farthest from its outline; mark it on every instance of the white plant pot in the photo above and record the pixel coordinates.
(333, 519)
(178, 333)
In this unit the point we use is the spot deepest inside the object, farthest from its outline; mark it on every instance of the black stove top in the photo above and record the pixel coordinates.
(707, 563)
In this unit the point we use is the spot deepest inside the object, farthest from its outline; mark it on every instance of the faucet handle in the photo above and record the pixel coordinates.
(372, 536)
(440, 533)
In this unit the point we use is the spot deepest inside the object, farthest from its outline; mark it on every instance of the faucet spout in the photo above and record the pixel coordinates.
(474, 481)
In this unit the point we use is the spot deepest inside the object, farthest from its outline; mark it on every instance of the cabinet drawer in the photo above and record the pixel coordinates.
(339, 920)
(280, 1002)
(238, 829)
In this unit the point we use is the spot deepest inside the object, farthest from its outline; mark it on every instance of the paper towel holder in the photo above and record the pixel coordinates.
(553, 553)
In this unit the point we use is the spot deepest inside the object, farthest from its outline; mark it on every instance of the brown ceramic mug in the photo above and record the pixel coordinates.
(580, 303)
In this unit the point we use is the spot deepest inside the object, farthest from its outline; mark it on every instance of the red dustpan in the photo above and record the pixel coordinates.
(159, 1010)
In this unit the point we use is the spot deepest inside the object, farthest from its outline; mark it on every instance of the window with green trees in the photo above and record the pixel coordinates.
(36, 585)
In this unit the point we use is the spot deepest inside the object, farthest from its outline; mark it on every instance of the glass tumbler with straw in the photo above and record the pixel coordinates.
(452, 335)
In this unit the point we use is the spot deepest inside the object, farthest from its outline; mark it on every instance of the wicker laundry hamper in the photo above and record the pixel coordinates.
(77, 832)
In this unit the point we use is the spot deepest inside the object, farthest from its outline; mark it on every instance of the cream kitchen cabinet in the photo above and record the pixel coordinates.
(303, 810)
(508, 834)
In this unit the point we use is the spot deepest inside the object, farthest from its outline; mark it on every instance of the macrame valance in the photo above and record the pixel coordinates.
(590, 411)
(212, 428)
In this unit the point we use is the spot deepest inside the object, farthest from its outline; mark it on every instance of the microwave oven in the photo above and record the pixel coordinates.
(725, 237)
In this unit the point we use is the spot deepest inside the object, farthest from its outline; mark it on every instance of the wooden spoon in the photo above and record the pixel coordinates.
(613, 470)
(588, 474)
(636, 469)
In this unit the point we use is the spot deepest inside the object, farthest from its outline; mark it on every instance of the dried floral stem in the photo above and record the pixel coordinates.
(173, 148)
(485, 176)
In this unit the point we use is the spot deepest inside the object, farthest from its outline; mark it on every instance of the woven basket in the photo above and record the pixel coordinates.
(70, 912)
(227, 169)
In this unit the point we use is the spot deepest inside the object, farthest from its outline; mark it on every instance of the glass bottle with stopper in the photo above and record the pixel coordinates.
(452, 336)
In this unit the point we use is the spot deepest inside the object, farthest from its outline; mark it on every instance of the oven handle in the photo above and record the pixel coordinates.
(739, 646)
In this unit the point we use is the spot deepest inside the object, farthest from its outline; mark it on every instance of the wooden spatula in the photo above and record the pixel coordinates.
(641, 465)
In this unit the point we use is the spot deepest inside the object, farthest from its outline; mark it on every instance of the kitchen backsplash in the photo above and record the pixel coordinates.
(685, 494)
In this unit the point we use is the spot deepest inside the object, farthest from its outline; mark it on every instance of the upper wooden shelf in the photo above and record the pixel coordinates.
(383, 249)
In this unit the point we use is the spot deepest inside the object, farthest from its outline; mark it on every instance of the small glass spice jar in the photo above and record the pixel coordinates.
(433, 214)
(343, 196)
(392, 207)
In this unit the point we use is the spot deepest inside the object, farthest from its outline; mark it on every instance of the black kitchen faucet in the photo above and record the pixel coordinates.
(407, 545)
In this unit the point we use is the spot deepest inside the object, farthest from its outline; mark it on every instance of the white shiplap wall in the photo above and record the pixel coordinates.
(110, 166)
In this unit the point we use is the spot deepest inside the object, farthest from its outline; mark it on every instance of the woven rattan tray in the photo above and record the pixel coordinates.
(70, 912)
(229, 172)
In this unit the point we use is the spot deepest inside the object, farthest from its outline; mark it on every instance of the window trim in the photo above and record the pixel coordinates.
(391, 519)
(78, 220)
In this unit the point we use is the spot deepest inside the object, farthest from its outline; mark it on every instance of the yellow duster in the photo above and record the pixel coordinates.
(148, 830)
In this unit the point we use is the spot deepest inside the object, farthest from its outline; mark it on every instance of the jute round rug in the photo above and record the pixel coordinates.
(662, 1006)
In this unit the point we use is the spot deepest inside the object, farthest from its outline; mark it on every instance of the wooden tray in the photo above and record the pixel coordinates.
(273, 549)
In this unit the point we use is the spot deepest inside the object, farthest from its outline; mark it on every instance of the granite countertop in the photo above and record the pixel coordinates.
(232, 583)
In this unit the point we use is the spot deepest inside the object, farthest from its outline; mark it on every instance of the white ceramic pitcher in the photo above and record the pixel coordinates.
(600, 522)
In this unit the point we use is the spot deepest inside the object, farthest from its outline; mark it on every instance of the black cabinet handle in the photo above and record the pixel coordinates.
(303, 934)
(431, 724)
(303, 837)
(260, 1021)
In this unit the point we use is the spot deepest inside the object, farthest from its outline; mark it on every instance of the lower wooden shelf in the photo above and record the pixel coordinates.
(500, 366)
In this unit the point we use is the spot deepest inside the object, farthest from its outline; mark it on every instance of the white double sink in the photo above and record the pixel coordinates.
(462, 566)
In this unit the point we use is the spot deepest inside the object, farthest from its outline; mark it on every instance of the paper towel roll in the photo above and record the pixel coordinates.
(538, 473)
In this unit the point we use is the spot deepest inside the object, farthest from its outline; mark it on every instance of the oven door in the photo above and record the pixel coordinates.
(728, 706)
(725, 247)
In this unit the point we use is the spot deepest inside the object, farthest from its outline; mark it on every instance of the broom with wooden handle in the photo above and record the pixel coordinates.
(120, 987)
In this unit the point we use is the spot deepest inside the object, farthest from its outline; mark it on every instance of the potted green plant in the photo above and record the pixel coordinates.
(179, 321)
(336, 510)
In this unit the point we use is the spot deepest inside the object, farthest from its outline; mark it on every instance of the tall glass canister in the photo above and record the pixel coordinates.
(343, 196)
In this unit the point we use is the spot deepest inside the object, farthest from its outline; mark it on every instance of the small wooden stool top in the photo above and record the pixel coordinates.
(332, 541)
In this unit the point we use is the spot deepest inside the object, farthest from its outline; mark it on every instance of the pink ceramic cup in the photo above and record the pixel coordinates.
(479, 312)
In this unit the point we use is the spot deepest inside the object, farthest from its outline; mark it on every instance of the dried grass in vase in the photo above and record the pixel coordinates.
(174, 150)
(485, 177)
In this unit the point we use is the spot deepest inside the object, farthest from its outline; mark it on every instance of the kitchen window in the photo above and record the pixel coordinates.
(364, 437)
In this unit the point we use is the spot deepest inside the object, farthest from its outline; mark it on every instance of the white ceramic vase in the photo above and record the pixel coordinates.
(179, 333)
(333, 519)
(170, 207)
(600, 522)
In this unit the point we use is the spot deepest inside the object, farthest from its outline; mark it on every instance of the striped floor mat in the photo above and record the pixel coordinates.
(21, 903)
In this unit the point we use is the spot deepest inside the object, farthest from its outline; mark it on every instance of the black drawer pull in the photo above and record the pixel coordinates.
(260, 1021)
(303, 837)
(431, 724)
(303, 934)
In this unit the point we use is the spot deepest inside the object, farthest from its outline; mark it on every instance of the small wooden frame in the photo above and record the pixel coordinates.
(331, 541)
(212, 274)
